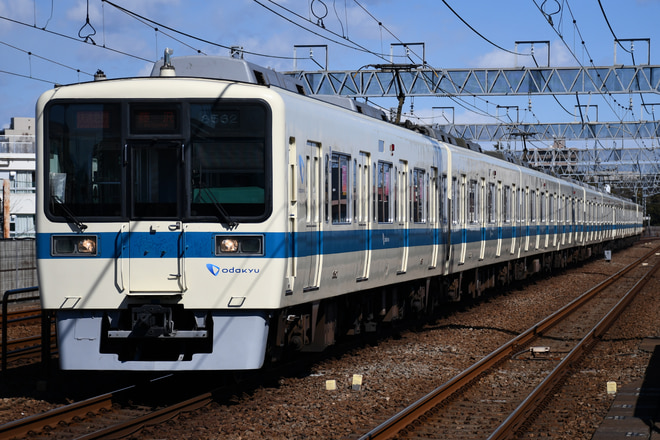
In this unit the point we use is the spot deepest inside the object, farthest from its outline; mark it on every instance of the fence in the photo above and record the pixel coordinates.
(18, 264)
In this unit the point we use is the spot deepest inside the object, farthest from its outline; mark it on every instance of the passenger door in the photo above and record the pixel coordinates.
(403, 215)
(155, 236)
(363, 215)
(311, 239)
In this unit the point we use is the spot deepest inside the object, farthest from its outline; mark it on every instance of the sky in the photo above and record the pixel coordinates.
(48, 42)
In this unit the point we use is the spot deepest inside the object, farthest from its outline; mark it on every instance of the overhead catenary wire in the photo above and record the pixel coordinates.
(59, 34)
(354, 46)
(32, 54)
(478, 33)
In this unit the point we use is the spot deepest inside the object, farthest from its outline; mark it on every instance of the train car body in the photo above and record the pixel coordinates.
(192, 222)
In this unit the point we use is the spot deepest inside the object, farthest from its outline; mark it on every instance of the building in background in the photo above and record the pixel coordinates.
(17, 174)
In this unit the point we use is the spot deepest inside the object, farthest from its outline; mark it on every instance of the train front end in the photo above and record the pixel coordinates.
(158, 245)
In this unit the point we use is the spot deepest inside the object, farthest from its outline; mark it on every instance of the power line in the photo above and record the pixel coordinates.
(478, 33)
(32, 54)
(136, 15)
(75, 39)
(20, 75)
(355, 46)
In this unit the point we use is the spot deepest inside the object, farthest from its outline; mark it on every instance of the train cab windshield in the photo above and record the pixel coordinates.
(197, 161)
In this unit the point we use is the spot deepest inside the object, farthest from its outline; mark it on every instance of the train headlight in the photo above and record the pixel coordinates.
(228, 245)
(239, 244)
(74, 245)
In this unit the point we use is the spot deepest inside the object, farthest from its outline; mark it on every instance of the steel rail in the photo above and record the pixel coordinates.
(38, 422)
(132, 426)
(391, 427)
(67, 413)
(522, 413)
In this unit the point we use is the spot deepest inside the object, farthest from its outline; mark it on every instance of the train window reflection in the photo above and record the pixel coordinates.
(229, 160)
(231, 174)
(85, 168)
(340, 188)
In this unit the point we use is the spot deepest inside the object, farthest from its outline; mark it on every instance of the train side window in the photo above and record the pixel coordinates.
(384, 192)
(418, 190)
(340, 184)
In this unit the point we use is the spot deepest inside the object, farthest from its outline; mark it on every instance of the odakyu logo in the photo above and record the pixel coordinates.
(215, 270)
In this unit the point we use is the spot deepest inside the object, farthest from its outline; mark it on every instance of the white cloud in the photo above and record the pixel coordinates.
(560, 56)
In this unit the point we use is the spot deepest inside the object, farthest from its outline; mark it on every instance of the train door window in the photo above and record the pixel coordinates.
(472, 202)
(384, 190)
(326, 189)
(355, 190)
(560, 203)
(481, 202)
(402, 193)
(374, 189)
(156, 180)
(506, 204)
(499, 213)
(551, 208)
(573, 216)
(522, 207)
(395, 195)
(443, 199)
(433, 197)
(340, 184)
(456, 201)
(418, 195)
(532, 206)
(542, 208)
(491, 206)
(463, 201)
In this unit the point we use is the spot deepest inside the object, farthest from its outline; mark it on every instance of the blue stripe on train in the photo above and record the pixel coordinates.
(282, 245)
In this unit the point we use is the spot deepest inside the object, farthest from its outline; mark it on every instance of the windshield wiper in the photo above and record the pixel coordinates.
(68, 214)
(224, 215)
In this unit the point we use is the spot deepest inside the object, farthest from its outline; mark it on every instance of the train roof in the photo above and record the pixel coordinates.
(225, 68)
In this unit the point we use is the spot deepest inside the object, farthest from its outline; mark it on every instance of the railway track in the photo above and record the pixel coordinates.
(110, 415)
(501, 394)
(130, 409)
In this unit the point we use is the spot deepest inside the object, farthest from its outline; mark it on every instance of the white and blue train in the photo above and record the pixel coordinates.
(213, 217)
